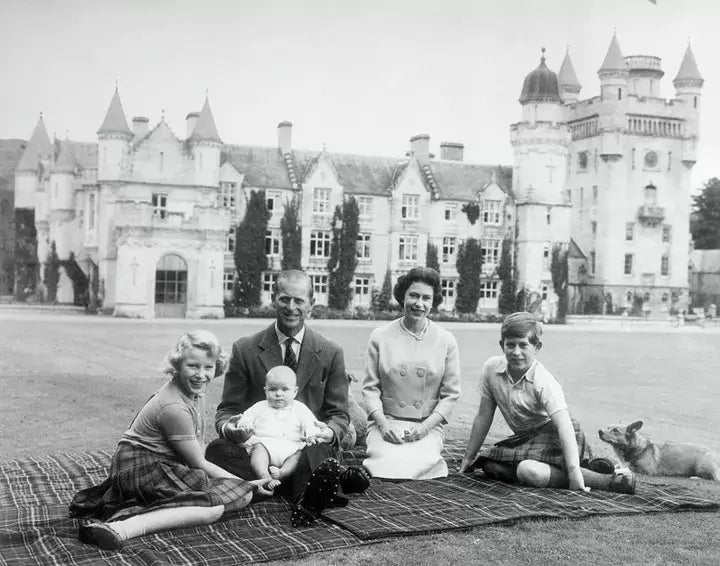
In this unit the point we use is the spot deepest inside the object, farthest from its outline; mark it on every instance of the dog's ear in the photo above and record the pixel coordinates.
(634, 427)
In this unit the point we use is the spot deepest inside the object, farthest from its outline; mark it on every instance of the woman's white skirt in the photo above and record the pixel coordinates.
(420, 460)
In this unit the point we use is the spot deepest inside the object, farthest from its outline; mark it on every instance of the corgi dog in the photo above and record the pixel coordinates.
(660, 459)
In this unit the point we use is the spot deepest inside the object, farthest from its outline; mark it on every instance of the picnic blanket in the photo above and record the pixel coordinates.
(35, 527)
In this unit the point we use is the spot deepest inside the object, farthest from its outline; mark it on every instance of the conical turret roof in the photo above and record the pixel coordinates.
(115, 121)
(688, 68)
(614, 60)
(205, 128)
(39, 146)
(65, 160)
(540, 85)
(567, 76)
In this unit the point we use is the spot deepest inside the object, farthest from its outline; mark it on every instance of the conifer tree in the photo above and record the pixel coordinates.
(25, 252)
(431, 259)
(343, 254)
(469, 267)
(381, 298)
(52, 273)
(506, 300)
(291, 235)
(559, 271)
(705, 225)
(250, 258)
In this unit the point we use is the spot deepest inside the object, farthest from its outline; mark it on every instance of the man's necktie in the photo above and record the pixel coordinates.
(290, 358)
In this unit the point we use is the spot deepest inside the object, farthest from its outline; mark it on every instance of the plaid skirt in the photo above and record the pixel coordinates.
(541, 444)
(142, 481)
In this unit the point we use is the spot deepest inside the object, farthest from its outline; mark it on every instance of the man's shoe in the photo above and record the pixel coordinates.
(99, 534)
(622, 482)
(318, 495)
(354, 479)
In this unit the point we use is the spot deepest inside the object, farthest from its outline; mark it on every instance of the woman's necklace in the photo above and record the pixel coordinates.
(420, 335)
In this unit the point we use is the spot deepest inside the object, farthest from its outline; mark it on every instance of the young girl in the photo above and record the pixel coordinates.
(159, 478)
(548, 445)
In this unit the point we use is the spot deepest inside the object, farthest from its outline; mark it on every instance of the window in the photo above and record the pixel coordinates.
(162, 161)
(226, 197)
(451, 211)
(449, 249)
(669, 160)
(593, 228)
(230, 240)
(273, 200)
(228, 281)
(592, 263)
(447, 288)
(321, 201)
(595, 193)
(408, 248)
(319, 283)
(666, 233)
(490, 252)
(546, 255)
(365, 207)
(91, 211)
(362, 286)
(320, 243)
(544, 291)
(159, 202)
(582, 195)
(492, 210)
(488, 289)
(582, 159)
(548, 215)
(272, 242)
(410, 209)
(629, 231)
(665, 266)
(268, 281)
(363, 246)
(627, 270)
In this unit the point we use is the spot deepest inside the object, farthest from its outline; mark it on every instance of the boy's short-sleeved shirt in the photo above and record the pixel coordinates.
(529, 402)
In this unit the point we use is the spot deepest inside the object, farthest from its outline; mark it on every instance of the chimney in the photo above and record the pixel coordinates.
(190, 121)
(420, 146)
(284, 137)
(451, 151)
(140, 126)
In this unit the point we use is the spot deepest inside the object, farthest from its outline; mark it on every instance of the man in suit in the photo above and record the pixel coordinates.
(322, 386)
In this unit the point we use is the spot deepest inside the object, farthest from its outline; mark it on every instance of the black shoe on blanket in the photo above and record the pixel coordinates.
(99, 534)
(600, 465)
(318, 495)
(354, 479)
(622, 482)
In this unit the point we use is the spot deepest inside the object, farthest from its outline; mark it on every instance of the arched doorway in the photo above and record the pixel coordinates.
(170, 287)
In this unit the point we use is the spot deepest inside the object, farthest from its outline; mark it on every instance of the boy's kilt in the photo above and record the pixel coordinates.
(541, 444)
(141, 480)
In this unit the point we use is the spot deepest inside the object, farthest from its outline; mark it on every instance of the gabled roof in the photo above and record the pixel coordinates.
(567, 76)
(39, 145)
(205, 128)
(115, 121)
(705, 261)
(575, 251)
(263, 167)
(462, 181)
(614, 60)
(360, 174)
(688, 68)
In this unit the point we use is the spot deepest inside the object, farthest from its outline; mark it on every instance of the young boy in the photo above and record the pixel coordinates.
(278, 428)
(547, 445)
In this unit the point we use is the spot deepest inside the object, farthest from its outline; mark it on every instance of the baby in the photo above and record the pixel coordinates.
(278, 428)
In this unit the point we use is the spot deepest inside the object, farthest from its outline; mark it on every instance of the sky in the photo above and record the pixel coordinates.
(354, 76)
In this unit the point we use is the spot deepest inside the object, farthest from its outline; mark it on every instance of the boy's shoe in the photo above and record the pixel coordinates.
(601, 466)
(99, 534)
(622, 482)
(354, 479)
(318, 495)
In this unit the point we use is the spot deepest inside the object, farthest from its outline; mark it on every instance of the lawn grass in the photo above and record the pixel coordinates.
(73, 384)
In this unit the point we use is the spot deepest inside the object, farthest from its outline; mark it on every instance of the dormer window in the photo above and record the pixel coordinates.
(491, 211)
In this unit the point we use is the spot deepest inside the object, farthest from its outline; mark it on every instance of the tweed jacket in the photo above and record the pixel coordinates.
(322, 381)
(408, 378)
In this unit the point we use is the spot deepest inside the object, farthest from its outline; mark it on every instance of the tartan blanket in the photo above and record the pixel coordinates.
(35, 527)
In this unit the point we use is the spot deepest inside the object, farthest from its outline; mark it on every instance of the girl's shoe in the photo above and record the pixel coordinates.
(601, 466)
(99, 534)
(622, 482)
(319, 493)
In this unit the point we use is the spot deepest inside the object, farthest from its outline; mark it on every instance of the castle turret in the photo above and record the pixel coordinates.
(29, 168)
(688, 87)
(61, 210)
(568, 81)
(205, 144)
(540, 146)
(114, 138)
(613, 73)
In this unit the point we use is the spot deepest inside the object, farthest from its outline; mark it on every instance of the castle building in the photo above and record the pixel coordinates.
(153, 216)
(608, 178)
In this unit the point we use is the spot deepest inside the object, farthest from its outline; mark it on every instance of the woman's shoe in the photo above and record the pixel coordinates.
(99, 534)
(318, 495)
